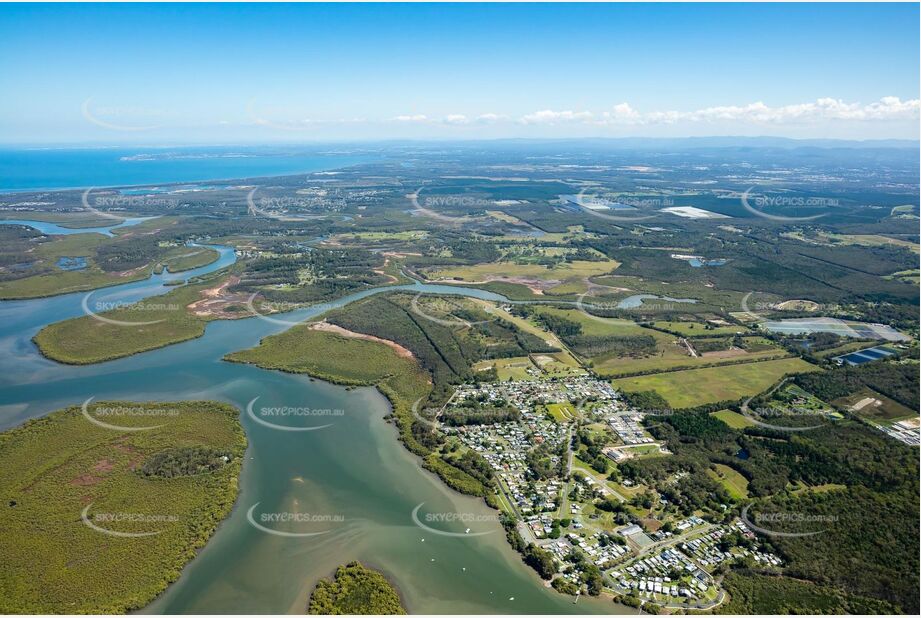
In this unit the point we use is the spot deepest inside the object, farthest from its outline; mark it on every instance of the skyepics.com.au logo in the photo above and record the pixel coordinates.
(126, 118)
(638, 303)
(418, 416)
(755, 309)
(268, 415)
(600, 306)
(280, 208)
(274, 522)
(440, 522)
(449, 320)
(785, 201)
(433, 206)
(267, 309)
(120, 412)
(104, 523)
(767, 523)
(93, 203)
(141, 307)
(782, 410)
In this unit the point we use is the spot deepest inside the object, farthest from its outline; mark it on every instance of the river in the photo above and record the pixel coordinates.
(353, 476)
(49, 228)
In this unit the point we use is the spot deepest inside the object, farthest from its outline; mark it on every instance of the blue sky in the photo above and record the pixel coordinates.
(260, 73)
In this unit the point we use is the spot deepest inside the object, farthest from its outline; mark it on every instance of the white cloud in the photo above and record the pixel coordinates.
(456, 119)
(412, 118)
(548, 116)
(622, 111)
(887, 108)
(489, 117)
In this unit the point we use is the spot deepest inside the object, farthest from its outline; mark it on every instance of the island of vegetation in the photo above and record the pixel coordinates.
(355, 590)
(102, 506)
(156, 322)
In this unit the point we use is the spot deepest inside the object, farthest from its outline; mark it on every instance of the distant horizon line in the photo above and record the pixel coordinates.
(76, 145)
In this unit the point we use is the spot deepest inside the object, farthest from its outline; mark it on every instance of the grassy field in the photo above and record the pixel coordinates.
(694, 387)
(870, 240)
(643, 450)
(562, 363)
(569, 275)
(381, 236)
(592, 325)
(672, 355)
(699, 329)
(86, 340)
(736, 484)
(562, 412)
(912, 275)
(62, 471)
(558, 365)
(509, 368)
(733, 419)
(669, 353)
(844, 348)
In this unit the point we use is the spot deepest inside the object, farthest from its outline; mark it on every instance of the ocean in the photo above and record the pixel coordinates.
(26, 169)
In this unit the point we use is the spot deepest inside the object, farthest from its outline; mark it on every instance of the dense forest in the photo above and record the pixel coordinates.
(870, 519)
(355, 590)
(898, 381)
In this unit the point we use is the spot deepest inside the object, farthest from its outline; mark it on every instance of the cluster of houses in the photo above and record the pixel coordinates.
(505, 445)
(681, 571)
(628, 426)
(706, 551)
(525, 395)
(670, 573)
(541, 524)
(603, 555)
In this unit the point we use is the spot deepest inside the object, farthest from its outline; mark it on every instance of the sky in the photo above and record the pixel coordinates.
(260, 73)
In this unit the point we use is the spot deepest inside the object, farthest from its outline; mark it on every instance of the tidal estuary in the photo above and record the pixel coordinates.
(353, 481)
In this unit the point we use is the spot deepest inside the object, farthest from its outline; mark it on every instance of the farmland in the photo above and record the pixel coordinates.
(562, 279)
(699, 329)
(694, 387)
